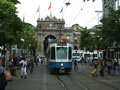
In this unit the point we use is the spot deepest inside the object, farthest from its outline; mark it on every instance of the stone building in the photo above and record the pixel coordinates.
(51, 28)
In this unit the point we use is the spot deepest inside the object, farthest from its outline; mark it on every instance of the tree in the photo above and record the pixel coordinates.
(111, 28)
(29, 37)
(10, 23)
(86, 39)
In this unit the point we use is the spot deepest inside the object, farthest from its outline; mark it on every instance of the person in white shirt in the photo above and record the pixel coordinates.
(23, 64)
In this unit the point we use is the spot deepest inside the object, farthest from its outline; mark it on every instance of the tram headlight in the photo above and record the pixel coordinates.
(61, 64)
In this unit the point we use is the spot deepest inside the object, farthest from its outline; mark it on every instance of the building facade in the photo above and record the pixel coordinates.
(51, 28)
(109, 3)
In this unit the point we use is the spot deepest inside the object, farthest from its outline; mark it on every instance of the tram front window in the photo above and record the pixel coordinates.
(61, 52)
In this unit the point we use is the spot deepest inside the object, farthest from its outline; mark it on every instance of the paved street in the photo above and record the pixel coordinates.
(81, 79)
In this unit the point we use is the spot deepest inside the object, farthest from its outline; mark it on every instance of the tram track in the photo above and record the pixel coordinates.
(79, 83)
(76, 82)
(100, 81)
(62, 83)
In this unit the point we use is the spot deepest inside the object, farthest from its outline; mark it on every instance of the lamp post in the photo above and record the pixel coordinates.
(29, 49)
(98, 15)
(22, 40)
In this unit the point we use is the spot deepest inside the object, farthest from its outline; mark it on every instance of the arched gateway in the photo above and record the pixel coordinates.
(47, 39)
(51, 28)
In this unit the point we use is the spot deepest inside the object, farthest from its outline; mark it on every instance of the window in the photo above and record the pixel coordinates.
(61, 52)
(94, 55)
(70, 53)
(52, 52)
(117, 4)
(76, 54)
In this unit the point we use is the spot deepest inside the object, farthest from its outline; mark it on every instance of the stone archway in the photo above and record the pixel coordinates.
(46, 42)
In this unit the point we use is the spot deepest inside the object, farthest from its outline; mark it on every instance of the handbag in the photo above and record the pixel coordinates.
(8, 75)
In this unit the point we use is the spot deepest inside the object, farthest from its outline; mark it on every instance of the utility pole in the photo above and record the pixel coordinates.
(98, 15)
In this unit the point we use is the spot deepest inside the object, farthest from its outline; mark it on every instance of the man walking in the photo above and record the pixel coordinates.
(76, 64)
(23, 64)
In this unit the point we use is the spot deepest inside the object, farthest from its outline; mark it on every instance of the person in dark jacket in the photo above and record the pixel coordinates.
(76, 64)
(3, 81)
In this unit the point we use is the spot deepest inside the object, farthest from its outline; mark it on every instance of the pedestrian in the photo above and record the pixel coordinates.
(36, 61)
(95, 64)
(15, 61)
(23, 64)
(115, 67)
(109, 66)
(82, 60)
(76, 64)
(11, 67)
(3, 81)
(41, 60)
(102, 68)
(31, 64)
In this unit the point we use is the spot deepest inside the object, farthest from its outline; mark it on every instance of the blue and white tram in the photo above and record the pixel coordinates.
(60, 56)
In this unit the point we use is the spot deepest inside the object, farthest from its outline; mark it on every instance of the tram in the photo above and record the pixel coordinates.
(76, 55)
(59, 56)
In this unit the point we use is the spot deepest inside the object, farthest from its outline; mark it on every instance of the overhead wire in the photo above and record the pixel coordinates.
(90, 20)
(65, 8)
(78, 13)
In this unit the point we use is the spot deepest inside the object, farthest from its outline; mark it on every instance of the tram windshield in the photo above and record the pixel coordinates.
(61, 52)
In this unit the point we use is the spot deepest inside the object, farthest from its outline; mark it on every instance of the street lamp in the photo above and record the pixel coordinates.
(29, 49)
(22, 40)
(98, 15)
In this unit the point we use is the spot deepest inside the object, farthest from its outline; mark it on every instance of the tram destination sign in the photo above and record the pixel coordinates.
(61, 42)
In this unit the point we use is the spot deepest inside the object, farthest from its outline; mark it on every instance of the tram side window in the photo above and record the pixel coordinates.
(70, 53)
(52, 52)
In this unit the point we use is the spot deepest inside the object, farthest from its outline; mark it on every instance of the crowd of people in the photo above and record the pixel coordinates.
(101, 66)
(110, 66)
(25, 64)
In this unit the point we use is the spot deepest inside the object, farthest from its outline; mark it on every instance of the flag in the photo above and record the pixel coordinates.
(38, 9)
(61, 10)
(67, 3)
(49, 7)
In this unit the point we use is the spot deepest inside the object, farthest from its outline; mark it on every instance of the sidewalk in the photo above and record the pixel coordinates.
(32, 82)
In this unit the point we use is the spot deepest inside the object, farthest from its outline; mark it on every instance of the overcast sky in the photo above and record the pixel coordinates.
(78, 12)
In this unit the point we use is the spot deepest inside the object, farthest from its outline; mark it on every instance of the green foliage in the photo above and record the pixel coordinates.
(111, 27)
(10, 23)
(29, 37)
(86, 39)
